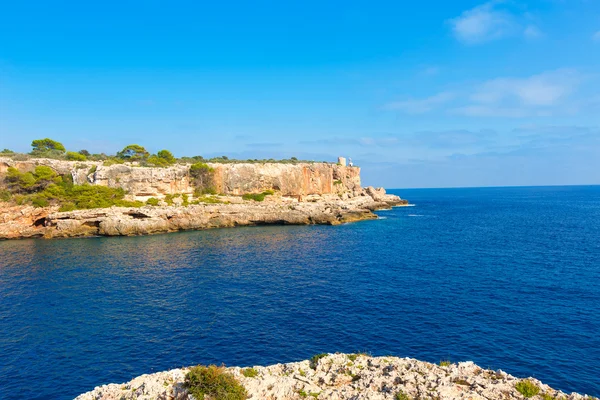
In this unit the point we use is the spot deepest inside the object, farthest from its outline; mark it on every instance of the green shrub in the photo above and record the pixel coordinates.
(258, 196)
(152, 201)
(250, 373)
(527, 388)
(30, 182)
(314, 360)
(207, 200)
(67, 207)
(92, 169)
(445, 363)
(169, 199)
(254, 196)
(214, 383)
(112, 161)
(186, 200)
(337, 182)
(7, 151)
(72, 156)
(5, 195)
(39, 200)
(401, 396)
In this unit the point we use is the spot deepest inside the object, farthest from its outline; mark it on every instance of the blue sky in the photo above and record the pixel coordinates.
(420, 94)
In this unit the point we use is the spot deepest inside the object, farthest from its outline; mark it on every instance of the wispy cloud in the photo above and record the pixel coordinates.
(541, 95)
(537, 95)
(453, 139)
(491, 21)
(420, 106)
(483, 23)
(362, 141)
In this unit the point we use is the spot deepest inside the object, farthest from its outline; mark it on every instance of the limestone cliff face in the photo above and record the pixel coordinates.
(231, 179)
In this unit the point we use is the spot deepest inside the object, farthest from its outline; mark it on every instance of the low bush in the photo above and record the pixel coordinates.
(314, 360)
(445, 363)
(152, 201)
(213, 382)
(44, 187)
(72, 156)
(5, 195)
(258, 196)
(207, 200)
(401, 396)
(112, 161)
(527, 388)
(250, 373)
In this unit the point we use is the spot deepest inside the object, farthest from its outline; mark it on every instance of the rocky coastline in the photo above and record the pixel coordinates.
(170, 199)
(348, 376)
(19, 222)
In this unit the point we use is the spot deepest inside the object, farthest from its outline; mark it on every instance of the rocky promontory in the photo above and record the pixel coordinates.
(227, 211)
(347, 376)
(173, 199)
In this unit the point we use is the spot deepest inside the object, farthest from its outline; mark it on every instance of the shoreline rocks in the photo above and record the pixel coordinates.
(18, 222)
(345, 376)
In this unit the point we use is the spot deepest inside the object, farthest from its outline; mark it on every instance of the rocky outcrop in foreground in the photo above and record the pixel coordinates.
(18, 222)
(345, 376)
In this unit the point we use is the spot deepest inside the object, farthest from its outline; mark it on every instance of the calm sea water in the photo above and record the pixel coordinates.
(506, 277)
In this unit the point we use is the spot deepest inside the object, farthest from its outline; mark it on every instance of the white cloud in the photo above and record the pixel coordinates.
(543, 90)
(596, 36)
(420, 106)
(483, 23)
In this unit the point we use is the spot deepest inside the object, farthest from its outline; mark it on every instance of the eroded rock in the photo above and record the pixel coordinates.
(344, 376)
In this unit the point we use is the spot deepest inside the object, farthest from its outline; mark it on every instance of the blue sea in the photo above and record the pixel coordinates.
(506, 277)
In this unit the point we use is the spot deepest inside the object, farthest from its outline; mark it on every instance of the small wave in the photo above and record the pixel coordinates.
(382, 218)
(415, 215)
(409, 205)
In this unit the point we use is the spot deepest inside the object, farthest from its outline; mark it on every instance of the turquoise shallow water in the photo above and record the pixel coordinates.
(506, 277)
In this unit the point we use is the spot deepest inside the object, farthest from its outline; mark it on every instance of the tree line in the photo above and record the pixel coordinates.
(49, 148)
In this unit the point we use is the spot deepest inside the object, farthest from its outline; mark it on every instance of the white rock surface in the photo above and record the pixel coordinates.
(344, 376)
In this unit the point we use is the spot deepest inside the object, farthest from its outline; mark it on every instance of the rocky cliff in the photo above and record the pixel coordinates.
(141, 183)
(348, 376)
(303, 193)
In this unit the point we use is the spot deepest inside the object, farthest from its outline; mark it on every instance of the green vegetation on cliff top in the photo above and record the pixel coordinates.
(49, 148)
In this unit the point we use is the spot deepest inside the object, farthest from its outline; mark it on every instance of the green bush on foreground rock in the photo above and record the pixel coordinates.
(314, 360)
(213, 382)
(401, 396)
(527, 388)
(250, 373)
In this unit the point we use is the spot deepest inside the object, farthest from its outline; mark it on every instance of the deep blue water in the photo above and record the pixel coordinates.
(506, 277)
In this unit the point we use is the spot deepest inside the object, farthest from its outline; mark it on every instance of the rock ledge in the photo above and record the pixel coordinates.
(344, 376)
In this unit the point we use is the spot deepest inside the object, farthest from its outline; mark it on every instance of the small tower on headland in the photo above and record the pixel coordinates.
(342, 161)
